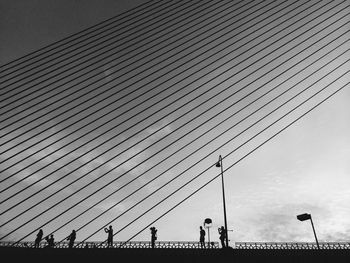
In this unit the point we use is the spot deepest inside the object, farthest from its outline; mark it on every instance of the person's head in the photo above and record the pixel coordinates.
(200, 227)
(110, 227)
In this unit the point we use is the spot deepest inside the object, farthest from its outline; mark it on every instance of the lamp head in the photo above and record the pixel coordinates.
(207, 221)
(303, 217)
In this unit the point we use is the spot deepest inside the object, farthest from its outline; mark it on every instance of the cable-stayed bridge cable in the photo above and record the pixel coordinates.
(214, 127)
(141, 103)
(192, 141)
(241, 145)
(236, 82)
(94, 75)
(244, 107)
(148, 27)
(94, 82)
(116, 108)
(49, 47)
(127, 21)
(251, 137)
(242, 158)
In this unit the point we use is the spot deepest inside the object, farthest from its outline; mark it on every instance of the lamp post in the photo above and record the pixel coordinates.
(304, 217)
(207, 223)
(219, 164)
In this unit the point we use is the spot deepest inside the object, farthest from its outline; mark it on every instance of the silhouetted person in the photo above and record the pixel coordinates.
(39, 237)
(110, 236)
(153, 236)
(222, 233)
(202, 236)
(71, 239)
(50, 240)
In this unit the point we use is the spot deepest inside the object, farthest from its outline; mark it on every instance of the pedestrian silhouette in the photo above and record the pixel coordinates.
(202, 237)
(39, 237)
(153, 236)
(110, 236)
(50, 240)
(222, 233)
(71, 239)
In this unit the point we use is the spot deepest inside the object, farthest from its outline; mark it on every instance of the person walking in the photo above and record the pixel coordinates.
(39, 237)
(71, 238)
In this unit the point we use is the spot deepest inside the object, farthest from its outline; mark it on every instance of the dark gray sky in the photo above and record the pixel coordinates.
(26, 26)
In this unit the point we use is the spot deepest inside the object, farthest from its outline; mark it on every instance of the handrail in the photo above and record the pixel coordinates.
(185, 245)
(118, 244)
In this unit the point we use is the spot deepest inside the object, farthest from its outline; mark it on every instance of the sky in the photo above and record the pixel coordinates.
(166, 91)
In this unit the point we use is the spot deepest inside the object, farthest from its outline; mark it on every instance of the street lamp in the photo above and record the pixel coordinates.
(304, 217)
(207, 223)
(219, 164)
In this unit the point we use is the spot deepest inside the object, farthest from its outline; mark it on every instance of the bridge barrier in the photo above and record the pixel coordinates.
(185, 245)
(119, 244)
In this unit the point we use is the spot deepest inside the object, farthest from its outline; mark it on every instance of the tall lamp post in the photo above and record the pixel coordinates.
(219, 164)
(304, 217)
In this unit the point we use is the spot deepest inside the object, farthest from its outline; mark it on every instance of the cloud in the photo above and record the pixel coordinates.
(133, 155)
(278, 223)
(127, 162)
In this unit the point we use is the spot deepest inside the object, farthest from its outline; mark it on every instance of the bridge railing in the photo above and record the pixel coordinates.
(291, 245)
(120, 244)
(185, 245)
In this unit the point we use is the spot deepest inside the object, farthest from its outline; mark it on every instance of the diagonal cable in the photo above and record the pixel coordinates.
(198, 137)
(105, 29)
(242, 158)
(76, 91)
(94, 82)
(101, 165)
(74, 37)
(250, 139)
(100, 47)
(119, 115)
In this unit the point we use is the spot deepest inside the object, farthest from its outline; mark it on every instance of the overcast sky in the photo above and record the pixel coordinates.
(167, 92)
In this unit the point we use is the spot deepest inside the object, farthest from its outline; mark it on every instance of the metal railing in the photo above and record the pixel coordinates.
(291, 245)
(120, 244)
(185, 245)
